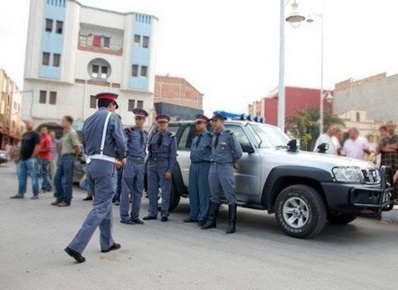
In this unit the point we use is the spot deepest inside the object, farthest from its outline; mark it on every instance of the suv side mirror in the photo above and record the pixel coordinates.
(247, 148)
(322, 148)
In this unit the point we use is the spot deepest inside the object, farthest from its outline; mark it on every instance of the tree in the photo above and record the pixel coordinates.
(305, 125)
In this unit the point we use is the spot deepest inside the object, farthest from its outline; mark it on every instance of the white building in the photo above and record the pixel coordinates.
(74, 51)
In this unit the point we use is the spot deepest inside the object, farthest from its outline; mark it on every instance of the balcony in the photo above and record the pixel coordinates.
(98, 39)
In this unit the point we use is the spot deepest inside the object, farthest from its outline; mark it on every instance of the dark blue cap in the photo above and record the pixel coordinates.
(219, 116)
(162, 118)
(140, 113)
(201, 118)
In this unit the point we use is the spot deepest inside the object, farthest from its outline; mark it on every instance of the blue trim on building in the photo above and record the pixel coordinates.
(139, 54)
(52, 42)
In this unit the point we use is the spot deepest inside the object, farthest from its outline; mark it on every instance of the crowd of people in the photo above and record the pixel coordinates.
(112, 151)
(358, 147)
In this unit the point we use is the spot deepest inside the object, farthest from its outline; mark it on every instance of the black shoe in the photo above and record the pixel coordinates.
(17, 196)
(117, 203)
(148, 217)
(138, 221)
(88, 198)
(231, 219)
(75, 255)
(190, 220)
(164, 219)
(213, 213)
(56, 202)
(63, 204)
(114, 247)
(201, 223)
(127, 222)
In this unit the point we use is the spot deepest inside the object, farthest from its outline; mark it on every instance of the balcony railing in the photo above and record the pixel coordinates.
(100, 48)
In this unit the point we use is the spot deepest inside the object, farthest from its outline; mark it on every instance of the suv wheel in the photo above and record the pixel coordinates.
(174, 199)
(300, 211)
(340, 219)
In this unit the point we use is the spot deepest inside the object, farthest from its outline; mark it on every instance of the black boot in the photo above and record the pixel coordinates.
(213, 213)
(231, 219)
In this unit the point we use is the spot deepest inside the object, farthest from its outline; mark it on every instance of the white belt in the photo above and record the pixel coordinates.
(100, 157)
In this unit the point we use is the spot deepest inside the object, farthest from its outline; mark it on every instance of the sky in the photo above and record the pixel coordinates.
(229, 49)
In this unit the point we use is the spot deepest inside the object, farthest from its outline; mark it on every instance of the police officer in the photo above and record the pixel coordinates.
(162, 160)
(226, 151)
(133, 172)
(105, 145)
(199, 191)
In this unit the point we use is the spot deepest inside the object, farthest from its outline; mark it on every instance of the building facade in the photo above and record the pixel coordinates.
(377, 95)
(297, 100)
(176, 97)
(11, 126)
(74, 52)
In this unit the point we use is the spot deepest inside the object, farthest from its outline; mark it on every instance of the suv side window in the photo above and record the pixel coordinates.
(186, 138)
(240, 134)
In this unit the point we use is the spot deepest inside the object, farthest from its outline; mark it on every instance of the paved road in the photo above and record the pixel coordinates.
(174, 255)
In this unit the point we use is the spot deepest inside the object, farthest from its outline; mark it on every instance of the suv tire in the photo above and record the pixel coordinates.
(340, 219)
(300, 211)
(174, 199)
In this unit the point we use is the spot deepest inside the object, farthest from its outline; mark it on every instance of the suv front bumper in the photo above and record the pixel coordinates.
(361, 200)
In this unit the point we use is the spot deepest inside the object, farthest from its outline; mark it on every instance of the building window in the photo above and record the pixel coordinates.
(137, 39)
(358, 116)
(104, 72)
(145, 42)
(46, 58)
(99, 69)
(43, 97)
(93, 102)
(49, 25)
(59, 27)
(95, 71)
(131, 106)
(134, 72)
(53, 98)
(140, 104)
(144, 71)
(56, 60)
(107, 41)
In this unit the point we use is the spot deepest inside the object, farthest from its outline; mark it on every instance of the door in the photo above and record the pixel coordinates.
(247, 175)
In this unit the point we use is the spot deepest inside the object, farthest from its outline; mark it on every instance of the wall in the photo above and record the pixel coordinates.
(377, 95)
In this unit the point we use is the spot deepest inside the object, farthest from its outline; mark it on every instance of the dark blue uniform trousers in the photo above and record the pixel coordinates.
(156, 172)
(132, 182)
(199, 191)
(222, 180)
(100, 180)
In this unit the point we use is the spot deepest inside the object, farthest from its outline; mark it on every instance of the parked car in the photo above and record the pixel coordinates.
(4, 157)
(302, 189)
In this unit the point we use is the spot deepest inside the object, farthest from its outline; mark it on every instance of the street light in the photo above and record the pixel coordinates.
(310, 19)
(294, 18)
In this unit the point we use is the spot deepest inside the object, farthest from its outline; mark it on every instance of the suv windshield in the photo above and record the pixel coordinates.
(271, 137)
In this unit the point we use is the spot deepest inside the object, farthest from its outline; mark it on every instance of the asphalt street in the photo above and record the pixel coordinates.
(174, 255)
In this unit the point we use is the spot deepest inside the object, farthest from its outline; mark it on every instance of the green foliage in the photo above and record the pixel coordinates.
(305, 126)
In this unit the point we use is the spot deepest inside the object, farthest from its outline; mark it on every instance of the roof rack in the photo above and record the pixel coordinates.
(241, 117)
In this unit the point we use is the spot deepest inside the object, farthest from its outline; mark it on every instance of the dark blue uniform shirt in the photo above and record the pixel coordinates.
(163, 147)
(136, 142)
(201, 147)
(226, 149)
(115, 141)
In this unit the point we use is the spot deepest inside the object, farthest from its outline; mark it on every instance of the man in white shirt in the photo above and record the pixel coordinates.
(356, 146)
(330, 139)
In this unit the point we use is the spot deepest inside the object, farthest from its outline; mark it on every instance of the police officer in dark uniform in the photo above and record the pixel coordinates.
(226, 151)
(162, 159)
(133, 172)
(199, 191)
(104, 145)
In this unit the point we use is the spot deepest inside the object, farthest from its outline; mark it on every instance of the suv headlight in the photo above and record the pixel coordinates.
(348, 174)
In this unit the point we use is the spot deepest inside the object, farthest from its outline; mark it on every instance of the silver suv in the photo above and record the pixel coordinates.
(303, 189)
